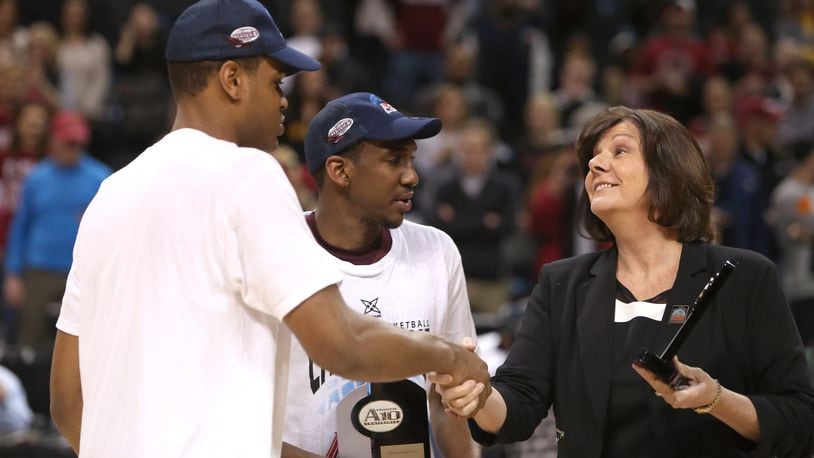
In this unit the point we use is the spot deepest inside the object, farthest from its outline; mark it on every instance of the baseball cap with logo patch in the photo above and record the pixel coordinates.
(359, 116)
(230, 29)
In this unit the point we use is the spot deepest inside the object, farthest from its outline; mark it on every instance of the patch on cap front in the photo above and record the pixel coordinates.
(339, 130)
(243, 36)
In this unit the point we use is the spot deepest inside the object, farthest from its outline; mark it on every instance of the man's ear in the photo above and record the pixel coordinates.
(232, 79)
(338, 170)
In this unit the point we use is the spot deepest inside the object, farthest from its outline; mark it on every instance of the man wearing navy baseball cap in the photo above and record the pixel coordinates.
(193, 264)
(359, 149)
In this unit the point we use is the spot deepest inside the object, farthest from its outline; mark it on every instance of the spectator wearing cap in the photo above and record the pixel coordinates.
(40, 243)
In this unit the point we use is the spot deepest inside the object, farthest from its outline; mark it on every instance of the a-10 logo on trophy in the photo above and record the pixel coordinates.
(384, 420)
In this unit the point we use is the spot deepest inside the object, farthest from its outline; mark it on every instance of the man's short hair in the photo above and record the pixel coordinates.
(349, 152)
(189, 79)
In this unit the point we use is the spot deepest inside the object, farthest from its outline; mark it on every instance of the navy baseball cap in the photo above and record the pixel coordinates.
(230, 29)
(359, 116)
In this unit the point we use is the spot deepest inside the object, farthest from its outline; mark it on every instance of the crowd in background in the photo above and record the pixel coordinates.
(513, 82)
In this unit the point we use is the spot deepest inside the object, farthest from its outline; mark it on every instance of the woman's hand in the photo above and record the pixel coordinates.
(700, 391)
(461, 400)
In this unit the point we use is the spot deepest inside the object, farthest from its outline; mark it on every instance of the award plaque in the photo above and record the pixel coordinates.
(384, 420)
(662, 365)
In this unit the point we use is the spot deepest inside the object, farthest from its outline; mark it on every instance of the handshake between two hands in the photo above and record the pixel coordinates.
(465, 392)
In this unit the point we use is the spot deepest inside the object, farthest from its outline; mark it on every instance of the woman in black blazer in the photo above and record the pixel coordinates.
(649, 193)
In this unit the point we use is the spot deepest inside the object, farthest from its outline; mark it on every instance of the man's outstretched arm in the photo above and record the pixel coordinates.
(357, 347)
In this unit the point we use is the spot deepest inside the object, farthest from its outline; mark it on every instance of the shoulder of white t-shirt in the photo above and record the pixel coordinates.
(429, 234)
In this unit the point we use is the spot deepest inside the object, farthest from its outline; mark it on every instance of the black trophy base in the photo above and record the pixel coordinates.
(389, 421)
(664, 370)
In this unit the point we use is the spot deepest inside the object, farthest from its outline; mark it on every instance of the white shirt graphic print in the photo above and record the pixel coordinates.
(418, 286)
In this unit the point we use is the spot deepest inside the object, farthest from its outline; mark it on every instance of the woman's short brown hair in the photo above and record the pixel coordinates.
(680, 185)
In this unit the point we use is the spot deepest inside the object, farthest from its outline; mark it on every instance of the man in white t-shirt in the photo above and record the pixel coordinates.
(190, 260)
(360, 150)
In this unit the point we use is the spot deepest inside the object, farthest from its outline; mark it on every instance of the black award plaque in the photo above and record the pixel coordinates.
(384, 420)
(662, 365)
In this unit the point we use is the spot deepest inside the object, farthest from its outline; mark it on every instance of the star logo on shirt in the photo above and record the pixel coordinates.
(371, 307)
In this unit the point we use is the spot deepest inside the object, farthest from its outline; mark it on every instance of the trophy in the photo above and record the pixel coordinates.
(662, 365)
(381, 420)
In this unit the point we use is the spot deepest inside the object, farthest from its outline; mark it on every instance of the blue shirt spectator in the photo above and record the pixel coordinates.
(51, 204)
(39, 251)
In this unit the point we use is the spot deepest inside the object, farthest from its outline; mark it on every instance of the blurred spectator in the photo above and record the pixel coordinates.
(673, 63)
(84, 63)
(417, 48)
(723, 39)
(797, 124)
(15, 414)
(344, 73)
(374, 30)
(757, 119)
(451, 107)
(141, 90)
(542, 134)
(717, 103)
(298, 175)
(786, 52)
(477, 207)
(576, 88)
(42, 73)
(433, 155)
(551, 206)
(792, 219)
(30, 76)
(140, 49)
(43, 229)
(13, 38)
(796, 21)
(740, 199)
(515, 58)
(306, 20)
(310, 92)
(751, 68)
(28, 145)
(459, 71)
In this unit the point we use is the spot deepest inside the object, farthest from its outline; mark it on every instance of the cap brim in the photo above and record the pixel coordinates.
(295, 60)
(416, 128)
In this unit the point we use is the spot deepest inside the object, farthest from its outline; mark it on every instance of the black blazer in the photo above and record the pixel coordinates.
(746, 339)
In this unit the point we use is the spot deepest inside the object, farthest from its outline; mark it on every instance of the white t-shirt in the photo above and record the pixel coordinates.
(418, 286)
(185, 264)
